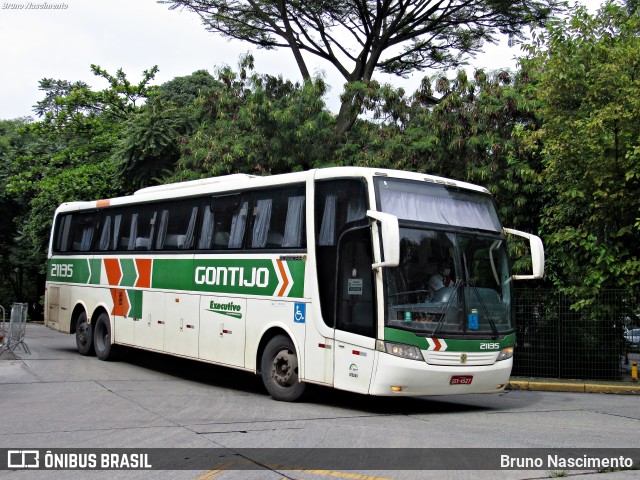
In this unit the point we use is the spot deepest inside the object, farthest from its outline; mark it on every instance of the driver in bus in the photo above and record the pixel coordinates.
(442, 279)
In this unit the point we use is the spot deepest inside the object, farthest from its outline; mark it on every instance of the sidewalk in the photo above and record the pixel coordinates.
(559, 385)
(624, 386)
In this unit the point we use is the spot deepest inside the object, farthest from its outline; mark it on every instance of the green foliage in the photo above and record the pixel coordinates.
(12, 265)
(359, 38)
(150, 147)
(64, 100)
(257, 124)
(586, 75)
(556, 143)
(65, 156)
(473, 133)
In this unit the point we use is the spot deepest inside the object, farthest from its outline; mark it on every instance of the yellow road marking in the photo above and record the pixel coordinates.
(352, 476)
(208, 475)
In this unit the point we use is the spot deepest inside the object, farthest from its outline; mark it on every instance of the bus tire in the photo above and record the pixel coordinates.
(84, 335)
(279, 367)
(105, 350)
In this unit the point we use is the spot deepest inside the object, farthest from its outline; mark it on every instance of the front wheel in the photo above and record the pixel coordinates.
(84, 335)
(102, 337)
(279, 365)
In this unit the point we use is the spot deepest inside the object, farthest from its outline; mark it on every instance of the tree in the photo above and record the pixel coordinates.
(64, 99)
(360, 37)
(14, 266)
(150, 147)
(257, 124)
(67, 155)
(474, 133)
(587, 76)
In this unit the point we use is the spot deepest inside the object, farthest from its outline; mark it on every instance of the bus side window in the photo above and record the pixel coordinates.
(162, 231)
(133, 232)
(177, 226)
(238, 224)
(223, 222)
(105, 234)
(206, 232)
(278, 219)
(82, 232)
(261, 222)
(63, 228)
(146, 225)
(294, 226)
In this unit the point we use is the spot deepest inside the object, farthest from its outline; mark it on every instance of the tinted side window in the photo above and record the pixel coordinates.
(278, 219)
(61, 233)
(132, 228)
(269, 219)
(224, 222)
(75, 232)
(82, 231)
(176, 230)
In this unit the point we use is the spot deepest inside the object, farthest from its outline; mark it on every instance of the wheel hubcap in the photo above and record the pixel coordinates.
(284, 368)
(82, 333)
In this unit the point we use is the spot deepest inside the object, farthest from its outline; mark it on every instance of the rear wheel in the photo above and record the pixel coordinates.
(84, 335)
(279, 365)
(102, 337)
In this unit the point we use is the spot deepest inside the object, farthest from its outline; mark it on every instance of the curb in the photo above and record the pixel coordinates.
(573, 387)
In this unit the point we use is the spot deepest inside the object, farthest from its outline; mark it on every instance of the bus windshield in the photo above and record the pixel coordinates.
(449, 283)
(453, 276)
(437, 204)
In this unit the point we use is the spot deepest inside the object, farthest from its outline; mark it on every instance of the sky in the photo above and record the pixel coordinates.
(63, 42)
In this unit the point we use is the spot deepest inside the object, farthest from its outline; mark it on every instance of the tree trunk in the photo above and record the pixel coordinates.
(346, 117)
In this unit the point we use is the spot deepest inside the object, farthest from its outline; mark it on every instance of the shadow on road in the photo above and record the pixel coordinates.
(249, 383)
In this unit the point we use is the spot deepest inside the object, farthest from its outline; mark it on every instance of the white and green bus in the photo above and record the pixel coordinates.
(374, 281)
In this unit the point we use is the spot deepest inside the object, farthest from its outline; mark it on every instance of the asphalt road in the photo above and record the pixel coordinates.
(55, 398)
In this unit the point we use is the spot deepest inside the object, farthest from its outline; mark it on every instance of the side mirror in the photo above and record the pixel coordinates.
(537, 254)
(390, 235)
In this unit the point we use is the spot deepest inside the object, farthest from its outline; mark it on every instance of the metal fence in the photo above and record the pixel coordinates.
(558, 337)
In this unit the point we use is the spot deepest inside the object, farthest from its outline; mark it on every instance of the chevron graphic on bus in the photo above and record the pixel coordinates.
(437, 345)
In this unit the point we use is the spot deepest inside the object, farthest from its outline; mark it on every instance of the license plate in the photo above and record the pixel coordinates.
(461, 380)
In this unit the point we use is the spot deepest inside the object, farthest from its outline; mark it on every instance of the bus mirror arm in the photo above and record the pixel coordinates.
(390, 237)
(537, 254)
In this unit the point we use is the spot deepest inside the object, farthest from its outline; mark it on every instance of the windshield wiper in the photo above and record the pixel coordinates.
(485, 310)
(440, 323)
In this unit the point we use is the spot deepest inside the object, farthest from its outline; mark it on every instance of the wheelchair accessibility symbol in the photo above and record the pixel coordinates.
(299, 312)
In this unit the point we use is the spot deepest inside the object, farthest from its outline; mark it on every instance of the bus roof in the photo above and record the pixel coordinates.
(241, 181)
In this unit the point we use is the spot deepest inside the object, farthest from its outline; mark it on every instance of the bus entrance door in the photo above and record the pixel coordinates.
(355, 317)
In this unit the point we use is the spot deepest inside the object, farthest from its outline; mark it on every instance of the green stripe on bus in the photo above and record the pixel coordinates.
(96, 270)
(296, 267)
(236, 276)
(172, 274)
(135, 302)
(129, 273)
(70, 270)
(453, 345)
(264, 277)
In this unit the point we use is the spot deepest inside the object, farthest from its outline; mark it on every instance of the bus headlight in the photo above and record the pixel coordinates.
(400, 350)
(505, 354)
